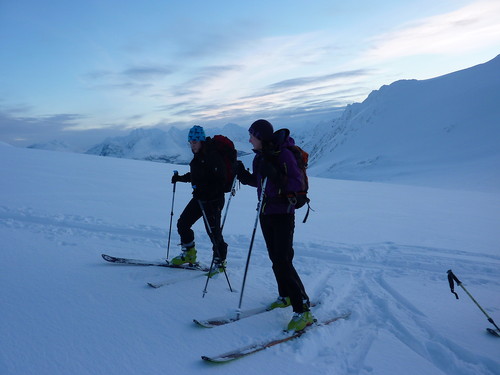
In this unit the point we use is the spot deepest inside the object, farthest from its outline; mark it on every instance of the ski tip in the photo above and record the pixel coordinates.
(216, 360)
(346, 315)
(494, 332)
(202, 324)
(153, 285)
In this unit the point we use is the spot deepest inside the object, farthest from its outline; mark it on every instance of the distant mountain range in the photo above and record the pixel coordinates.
(439, 131)
(162, 146)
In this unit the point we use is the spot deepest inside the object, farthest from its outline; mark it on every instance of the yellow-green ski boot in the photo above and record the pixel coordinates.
(188, 255)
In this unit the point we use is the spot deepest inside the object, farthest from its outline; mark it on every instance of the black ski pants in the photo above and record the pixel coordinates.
(278, 233)
(192, 213)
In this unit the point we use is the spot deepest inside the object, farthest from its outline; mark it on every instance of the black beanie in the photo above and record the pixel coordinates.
(262, 129)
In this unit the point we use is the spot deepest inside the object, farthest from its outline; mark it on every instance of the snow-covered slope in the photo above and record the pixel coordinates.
(378, 250)
(446, 129)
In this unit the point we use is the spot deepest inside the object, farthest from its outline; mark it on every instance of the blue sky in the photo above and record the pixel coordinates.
(69, 66)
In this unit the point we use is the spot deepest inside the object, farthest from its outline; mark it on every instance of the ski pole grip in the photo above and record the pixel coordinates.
(174, 179)
(451, 278)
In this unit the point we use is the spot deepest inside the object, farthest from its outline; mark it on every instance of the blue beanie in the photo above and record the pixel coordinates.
(262, 129)
(196, 133)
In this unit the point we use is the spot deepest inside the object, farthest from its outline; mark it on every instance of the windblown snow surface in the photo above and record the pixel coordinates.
(378, 250)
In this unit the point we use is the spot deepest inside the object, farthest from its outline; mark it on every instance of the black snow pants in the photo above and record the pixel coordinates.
(278, 233)
(192, 213)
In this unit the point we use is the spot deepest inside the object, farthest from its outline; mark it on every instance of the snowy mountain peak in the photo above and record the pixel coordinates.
(441, 130)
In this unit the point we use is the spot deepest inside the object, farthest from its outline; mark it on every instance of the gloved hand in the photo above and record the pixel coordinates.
(175, 178)
(240, 168)
(181, 178)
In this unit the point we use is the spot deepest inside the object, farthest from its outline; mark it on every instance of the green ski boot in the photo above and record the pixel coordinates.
(280, 303)
(188, 255)
(217, 267)
(300, 321)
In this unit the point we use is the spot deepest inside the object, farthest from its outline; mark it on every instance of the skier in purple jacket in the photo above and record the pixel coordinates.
(274, 161)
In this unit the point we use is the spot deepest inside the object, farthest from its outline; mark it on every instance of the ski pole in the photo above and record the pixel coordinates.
(233, 192)
(212, 238)
(171, 215)
(451, 278)
(259, 208)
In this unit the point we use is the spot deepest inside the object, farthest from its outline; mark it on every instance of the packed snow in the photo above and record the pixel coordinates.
(378, 250)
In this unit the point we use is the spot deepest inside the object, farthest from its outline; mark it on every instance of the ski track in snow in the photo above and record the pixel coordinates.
(399, 258)
(72, 225)
(408, 324)
(366, 292)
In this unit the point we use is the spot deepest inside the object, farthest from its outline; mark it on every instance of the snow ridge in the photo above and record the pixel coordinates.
(445, 128)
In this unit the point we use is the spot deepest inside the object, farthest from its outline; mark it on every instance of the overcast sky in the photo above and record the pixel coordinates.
(122, 64)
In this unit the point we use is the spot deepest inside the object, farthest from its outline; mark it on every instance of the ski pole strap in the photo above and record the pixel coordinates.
(451, 278)
(307, 213)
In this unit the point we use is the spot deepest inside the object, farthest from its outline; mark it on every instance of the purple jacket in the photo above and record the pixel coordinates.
(275, 195)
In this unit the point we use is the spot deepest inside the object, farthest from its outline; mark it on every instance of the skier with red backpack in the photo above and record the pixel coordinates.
(210, 176)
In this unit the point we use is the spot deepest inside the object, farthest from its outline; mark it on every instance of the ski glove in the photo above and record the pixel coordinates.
(244, 176)
(240, 168)
(178, 178)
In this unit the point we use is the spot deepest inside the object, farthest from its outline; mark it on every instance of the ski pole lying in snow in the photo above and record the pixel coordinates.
(171, 216)
(451, 278)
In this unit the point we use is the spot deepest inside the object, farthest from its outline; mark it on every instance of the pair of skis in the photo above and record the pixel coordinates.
(166, 263)
(140, 262)
(223, 320)
(259, 346)
(219, 321)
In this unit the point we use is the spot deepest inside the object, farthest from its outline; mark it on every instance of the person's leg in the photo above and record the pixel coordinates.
(188, 217)
(213, 211)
